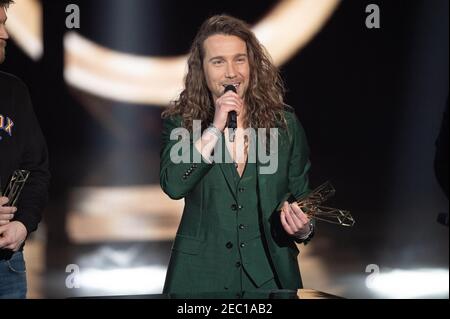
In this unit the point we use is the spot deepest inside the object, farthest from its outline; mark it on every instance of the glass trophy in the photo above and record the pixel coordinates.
(312, 206)
(15, 186)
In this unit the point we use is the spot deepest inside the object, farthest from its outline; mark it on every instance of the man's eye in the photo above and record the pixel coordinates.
(217, 62)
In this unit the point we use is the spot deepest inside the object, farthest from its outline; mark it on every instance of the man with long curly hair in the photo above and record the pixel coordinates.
(238, 231)
(22, 147)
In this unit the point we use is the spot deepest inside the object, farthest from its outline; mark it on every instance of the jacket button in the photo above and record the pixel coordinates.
(238, 264)
(242, 245)
(234, 207)
(241, 226)
(240, 207)
(229, 245)
(241, 189)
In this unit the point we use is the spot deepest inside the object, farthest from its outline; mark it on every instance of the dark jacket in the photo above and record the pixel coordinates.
(22, 146)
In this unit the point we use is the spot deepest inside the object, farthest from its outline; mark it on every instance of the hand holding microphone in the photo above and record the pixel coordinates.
(228, 106)
(232, 116)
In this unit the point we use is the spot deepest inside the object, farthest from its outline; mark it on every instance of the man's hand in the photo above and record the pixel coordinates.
(6, 212)
(294, 221)
(12, 235)
(228, 102)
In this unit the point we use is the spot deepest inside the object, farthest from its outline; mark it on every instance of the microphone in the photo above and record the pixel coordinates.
(232, 116)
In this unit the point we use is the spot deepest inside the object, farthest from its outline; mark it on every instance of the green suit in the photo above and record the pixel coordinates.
(205, 246)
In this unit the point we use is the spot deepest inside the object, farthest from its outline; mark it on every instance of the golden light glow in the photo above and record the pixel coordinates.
(122, 214)
(119, 76)
(291, 25)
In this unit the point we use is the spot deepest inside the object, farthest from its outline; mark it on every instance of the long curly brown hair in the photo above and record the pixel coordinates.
(264, 95)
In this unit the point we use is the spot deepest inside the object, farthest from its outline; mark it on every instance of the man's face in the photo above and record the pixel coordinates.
(226, 62)
(3, 34)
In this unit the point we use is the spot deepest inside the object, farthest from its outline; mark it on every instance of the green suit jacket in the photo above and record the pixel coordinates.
(197, 184)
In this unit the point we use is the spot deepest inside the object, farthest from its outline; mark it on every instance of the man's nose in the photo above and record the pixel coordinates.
(230, 72)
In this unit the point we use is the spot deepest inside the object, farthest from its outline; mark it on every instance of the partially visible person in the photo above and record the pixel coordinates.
(22, 147)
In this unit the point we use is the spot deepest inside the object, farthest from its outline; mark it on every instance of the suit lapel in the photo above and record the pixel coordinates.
(227, 168)
(261, 179)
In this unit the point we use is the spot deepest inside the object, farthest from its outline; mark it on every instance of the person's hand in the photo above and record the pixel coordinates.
(294, 221)
(228, 102)
(6, 212)
(12, 235)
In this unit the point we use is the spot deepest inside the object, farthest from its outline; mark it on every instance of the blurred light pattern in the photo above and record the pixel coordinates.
(157, 81)
(129, 281)
(133, 213)
(119, 76)
(290, 26)
(112, 271)
(418, 283)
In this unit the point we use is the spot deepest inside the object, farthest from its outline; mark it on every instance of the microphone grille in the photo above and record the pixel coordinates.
(230, 88)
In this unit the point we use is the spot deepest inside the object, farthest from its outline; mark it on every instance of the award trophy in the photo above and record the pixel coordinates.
(15, 186)
(311, 205)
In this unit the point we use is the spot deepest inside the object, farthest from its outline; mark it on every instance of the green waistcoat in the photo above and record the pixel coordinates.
(252, 268)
